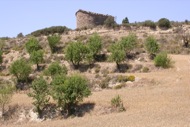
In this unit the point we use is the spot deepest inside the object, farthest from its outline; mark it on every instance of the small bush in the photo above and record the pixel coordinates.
(125, 21)
(145, 69)
(20, 69)
(149, 23)
(40, 94)
(164, 23)
(105, 83)
(129, 42)
(6, 92)
(131, 78)
(151, 46)
(53, 41)
(110, 22)
(119, 86)
(56, 69)
(20, 35)
(32, 45)
(75, 90)
(117, 103)
(162, 60)
(51, 30)
(122, 78)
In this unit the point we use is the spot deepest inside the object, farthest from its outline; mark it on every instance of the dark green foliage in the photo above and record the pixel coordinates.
(51, 30)
(162, 60)
(57, 92)
(6, 92)
(110, 22)
(75, 89)
(53, 41)
(75, 52)
(20, 69)
(164, 23)
(39, 94)
(32, 45)
(151, 46)
(20, 35)
(129, 42)
(55, 69)
(149, 23)
(37, 57)
(117, 54)
(125, 20)
(95, 43)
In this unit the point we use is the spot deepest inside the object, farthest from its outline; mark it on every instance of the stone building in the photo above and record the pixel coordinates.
(87, 19)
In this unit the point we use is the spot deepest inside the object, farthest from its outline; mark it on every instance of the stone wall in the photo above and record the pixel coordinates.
(90, 19)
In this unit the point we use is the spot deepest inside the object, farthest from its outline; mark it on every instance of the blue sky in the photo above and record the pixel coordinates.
(29, 15)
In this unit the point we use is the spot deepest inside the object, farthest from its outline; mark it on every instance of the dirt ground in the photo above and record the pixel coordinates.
(163, 103)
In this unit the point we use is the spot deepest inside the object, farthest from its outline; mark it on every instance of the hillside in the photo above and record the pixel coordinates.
(157, 97)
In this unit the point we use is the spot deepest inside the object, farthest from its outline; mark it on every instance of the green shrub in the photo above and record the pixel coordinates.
(149, 23)
(20, 35)
(56, 69)
(110, 22)
(125, 21)
(129, 42)
(57, 91)
(37, 57)
(32, 45)
(39, 94)
(51, 30)
(20, 69)
(131, 78)
(164, 23)
(6, 92)
(75, 89)
(121, 78)
(117, 103)
(151, 46)
(162, 60)
(118, 54)
(75, 52)
(94, 44)
(53, 41)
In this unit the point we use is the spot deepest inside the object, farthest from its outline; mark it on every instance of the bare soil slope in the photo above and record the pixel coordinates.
(164, 102)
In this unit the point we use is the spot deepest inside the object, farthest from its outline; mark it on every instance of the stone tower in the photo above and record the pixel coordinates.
(89, 19)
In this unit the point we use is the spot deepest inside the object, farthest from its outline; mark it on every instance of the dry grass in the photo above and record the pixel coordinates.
(165, 102)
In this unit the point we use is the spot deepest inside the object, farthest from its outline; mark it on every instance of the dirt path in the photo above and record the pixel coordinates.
(163, 104)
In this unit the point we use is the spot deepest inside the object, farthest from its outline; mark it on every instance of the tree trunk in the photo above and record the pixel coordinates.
(118, 67)
(38, 67)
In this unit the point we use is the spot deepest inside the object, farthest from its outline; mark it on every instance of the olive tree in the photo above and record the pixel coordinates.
(129, 42)
(32, 45)
(118, 54)
(75, 89)
(39, 94)
(75, 53)
(151, 46)
(37, 57)
(20, 69)
(57, 92)
(6, 92)
(56, 69)
(53, 41)
(95, 44)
